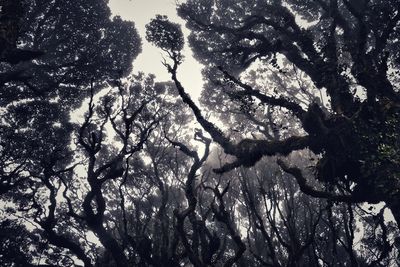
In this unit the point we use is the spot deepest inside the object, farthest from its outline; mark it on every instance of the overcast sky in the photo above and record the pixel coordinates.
(149, 61)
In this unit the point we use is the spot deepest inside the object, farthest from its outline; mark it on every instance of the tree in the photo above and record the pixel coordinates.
(79, 50)
(52, 54)
(346, 48)
(79, 45)
(134, 180)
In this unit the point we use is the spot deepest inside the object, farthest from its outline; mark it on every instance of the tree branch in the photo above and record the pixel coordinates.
(309, 190)
(282, 102)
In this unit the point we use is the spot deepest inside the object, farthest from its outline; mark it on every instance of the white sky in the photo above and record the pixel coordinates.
(149, 61)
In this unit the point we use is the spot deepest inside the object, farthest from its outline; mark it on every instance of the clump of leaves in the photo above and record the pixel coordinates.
(380, 136)
(165, 34)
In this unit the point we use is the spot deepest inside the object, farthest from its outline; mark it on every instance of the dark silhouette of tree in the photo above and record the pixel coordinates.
(52, 54)
(339, 46)
(80, 46)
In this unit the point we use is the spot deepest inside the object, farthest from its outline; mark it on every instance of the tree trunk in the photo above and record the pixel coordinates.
(112, 246)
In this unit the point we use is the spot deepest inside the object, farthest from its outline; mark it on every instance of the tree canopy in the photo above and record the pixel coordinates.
(290, 157)
(346, 48)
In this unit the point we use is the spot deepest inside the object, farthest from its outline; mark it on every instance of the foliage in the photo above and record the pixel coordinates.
(165, 34)
(81, 45)
(335, 47)
(101, 167)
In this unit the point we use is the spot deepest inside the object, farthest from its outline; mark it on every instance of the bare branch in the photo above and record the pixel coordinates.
(309, 190)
